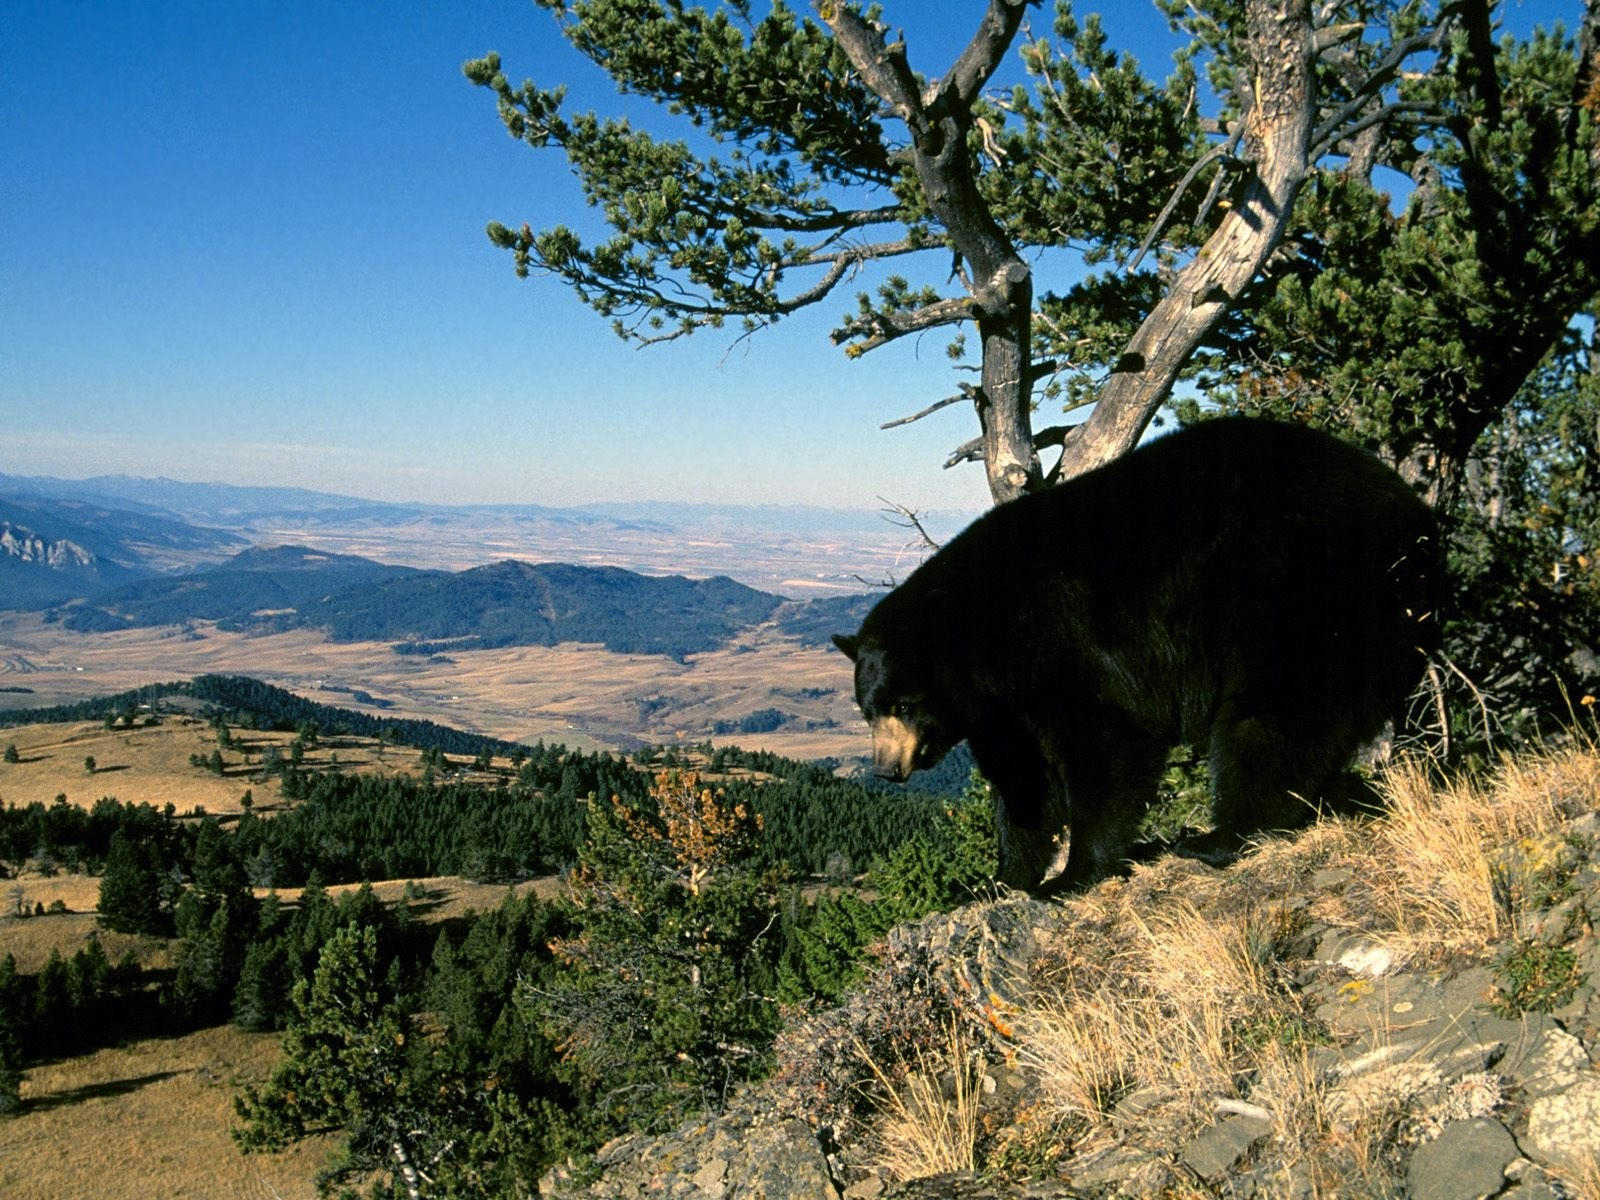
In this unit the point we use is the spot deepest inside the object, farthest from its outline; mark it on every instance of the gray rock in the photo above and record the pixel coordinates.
(1564, 1128)
(1466, 1162)
(789, 1166)
(1556, 1062)
(1522, 1037)
(1124, 1171)
(1220, 1147)
(1532, 1189)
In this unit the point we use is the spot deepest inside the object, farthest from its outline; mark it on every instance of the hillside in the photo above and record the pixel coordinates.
(514, 603)
(794, 551)
(52, 550)
(1409, 1007)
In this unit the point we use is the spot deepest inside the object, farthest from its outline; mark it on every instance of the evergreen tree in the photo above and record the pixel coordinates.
(131, 889)
(1242, 235)
(13, 1023)
(261, 997)
(345, 1065)
(668, 993)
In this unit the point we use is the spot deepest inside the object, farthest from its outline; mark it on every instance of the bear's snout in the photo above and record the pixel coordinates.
(894, 748)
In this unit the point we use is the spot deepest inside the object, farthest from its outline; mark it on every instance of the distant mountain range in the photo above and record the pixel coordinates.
(99, 568)
(53, 550)
(428, 612)
(229, 506)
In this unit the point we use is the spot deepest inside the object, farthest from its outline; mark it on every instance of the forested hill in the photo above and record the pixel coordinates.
(256, 589)
(520, 604)
(502, 604)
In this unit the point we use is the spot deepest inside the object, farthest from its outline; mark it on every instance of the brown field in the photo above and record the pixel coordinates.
(580, 695)
(149, 1119)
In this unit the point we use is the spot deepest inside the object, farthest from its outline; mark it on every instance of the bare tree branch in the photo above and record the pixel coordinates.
(999, 282)
(1277, 133)
(1223, 152)
(1328, 141)
(908, 518)
(966, 394)
(983, 53)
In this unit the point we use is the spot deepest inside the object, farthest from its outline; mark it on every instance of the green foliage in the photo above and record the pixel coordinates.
(1533, 976)
(951, 863)
(698, 239)
(132, 889)
(1184, 799)
(666, 998)
(345, 1066)
(11, 1000)
(11, 755)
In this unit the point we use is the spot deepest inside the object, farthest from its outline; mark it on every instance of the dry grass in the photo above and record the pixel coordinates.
(1167, 1000)
(1582, 1183)
(149, 1119)
(930, 1123)
(1451, 865)
(151, 765)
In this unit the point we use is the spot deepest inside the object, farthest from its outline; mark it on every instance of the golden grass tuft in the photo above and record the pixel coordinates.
(930, 1108)
(1451, 863)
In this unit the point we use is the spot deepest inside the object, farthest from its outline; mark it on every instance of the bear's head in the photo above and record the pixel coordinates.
(907, 734)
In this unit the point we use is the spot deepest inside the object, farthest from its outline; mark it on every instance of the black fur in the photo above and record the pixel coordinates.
(1262, 591)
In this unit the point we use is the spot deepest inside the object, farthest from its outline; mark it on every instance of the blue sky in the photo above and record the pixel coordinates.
(243, 242)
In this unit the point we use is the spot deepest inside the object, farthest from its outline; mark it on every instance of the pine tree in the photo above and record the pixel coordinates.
(345, 1065)
(668, 993)
(131, 889)
(13, 1025)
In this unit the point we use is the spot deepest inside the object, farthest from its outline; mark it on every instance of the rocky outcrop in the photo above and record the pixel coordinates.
(21, 543)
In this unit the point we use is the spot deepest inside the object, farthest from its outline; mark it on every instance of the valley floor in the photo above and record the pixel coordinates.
(580, 695)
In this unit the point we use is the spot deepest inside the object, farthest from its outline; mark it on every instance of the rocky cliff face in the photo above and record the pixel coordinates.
(23, 544)
(1403, 1007)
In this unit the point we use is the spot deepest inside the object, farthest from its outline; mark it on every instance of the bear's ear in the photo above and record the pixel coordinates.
(850, 645)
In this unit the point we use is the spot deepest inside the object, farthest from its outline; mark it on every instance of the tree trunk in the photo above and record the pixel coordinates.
(1276, 145)
(999, 282)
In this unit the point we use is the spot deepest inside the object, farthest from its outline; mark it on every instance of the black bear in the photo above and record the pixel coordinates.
(1259, 590)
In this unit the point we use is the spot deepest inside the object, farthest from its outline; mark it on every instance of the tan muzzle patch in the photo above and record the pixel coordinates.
(894, 748)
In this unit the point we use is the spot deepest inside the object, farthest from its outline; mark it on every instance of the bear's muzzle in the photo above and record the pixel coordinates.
(894, 749)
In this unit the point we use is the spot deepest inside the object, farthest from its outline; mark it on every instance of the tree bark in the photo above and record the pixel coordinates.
(1277, 140)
